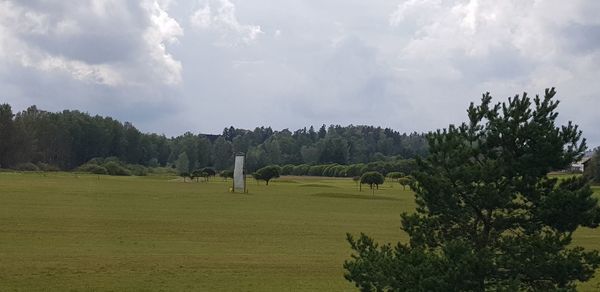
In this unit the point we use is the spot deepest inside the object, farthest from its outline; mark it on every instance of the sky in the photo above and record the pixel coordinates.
(171, 66)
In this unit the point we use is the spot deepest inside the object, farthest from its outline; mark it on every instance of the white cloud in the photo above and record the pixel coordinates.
(54, 37)
(18, 51)
(220, 16)
(162, 31)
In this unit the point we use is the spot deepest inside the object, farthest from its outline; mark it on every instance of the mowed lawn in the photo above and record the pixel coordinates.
(72, 232)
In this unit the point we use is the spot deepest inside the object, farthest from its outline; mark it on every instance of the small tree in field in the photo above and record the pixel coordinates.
(488, 217)
(395, 176)
(207, 172)
(196, 174)
(372, 178)
(405, 181)
(356, 179)
(182, 163)
(267, 173)
(225, 174)
(184, 175)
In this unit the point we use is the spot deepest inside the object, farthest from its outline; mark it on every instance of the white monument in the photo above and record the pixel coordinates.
(239, 174)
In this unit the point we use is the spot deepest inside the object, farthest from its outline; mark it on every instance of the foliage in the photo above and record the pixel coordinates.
(207, 172)
(92, 168)
(115, 168)
(197, 173)
(137, 170)
(183, 163)
(592, 168)
(394, 175)
(405, 181)
(28, 166)
(267, 173)
(68, 139)
(185, 175)
(488, 217)
(112, 166)
(287, 169)
(225, 174)
(47, 167)
(372, 178)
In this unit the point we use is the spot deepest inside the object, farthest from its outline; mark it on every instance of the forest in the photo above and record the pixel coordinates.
(68, 139)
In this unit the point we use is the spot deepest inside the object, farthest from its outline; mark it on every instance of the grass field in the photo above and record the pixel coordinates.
(72, 232)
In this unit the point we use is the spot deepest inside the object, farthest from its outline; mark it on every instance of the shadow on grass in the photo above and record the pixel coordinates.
(317, 186)
(285, 181)
(366, 196)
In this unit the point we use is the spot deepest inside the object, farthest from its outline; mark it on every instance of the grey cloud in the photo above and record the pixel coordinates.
(412, 65)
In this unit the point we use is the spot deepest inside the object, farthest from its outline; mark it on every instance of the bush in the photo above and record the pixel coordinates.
(355, 169)
(47, 167)
(340, 171)
(97, 161)
(92, 168)
(287, 169)
(137, 170)
(153, 163)
(301, 169)
(316, 170)
(28, 166)
(114, 168)
(329, 170)
(394, 175)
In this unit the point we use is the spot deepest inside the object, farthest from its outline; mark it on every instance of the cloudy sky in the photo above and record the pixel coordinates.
(170, 66)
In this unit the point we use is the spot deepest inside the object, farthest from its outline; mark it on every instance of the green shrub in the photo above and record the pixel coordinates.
(114, 168)
(137, 170)
(92, 168)
(97, 161)
(287, 169)
(28, 166)
(316, 170)
(301, 169)
(47, 167)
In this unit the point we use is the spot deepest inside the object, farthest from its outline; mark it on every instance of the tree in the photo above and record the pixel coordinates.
(6, 134)
(394, 175)
(592, 167)
(185, 175)
(225, 174)
(222, 153)
(267, 173)
(488, 217)
(207, 172)
(182, 164)
(356, 179)
(197, 174)
(405, 181)
(372, 178)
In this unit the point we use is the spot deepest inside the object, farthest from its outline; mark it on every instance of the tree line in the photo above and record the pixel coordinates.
(65, 140)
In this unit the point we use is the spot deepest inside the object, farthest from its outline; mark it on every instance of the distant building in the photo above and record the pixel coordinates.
(580, 165)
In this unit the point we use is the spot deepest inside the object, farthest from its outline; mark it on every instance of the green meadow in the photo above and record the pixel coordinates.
(76, 232)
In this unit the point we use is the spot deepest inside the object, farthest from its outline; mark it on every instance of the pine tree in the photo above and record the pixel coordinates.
(488, 216)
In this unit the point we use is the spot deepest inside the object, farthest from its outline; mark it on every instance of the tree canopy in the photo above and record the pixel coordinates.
(372, 178)
(488, 216)
(267, 173)
(70, 138)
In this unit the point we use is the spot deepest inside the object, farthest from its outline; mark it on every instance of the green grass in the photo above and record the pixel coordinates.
(73, 232)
